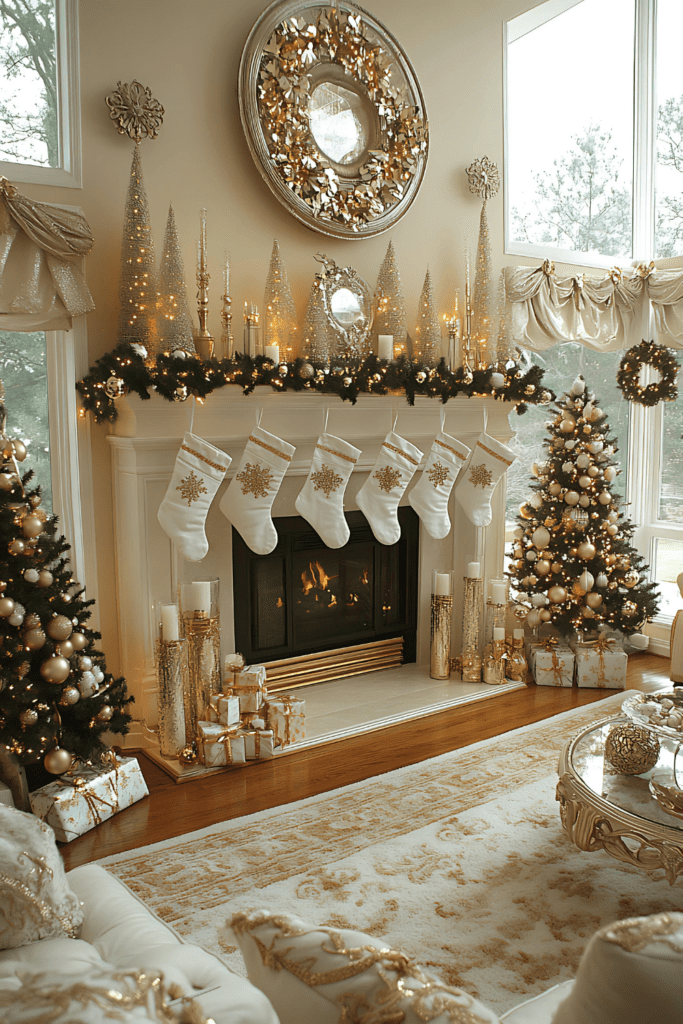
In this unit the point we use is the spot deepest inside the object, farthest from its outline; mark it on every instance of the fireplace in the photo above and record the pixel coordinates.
(306, 598)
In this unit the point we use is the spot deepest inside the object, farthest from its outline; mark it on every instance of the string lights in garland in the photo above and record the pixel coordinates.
(125, 370)
(660, 358)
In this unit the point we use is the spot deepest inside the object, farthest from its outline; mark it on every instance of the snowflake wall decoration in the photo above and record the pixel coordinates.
(480, 476)
(191, 487)
(135, 111)
(438, 474)
(483, 178)
(388, 478)
(326, 480)
(255, 479)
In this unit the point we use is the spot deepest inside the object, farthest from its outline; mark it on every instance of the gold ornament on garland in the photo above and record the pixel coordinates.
(660, 358)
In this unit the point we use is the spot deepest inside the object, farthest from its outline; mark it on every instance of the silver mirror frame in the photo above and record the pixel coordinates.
(354, 339)
(282, 62)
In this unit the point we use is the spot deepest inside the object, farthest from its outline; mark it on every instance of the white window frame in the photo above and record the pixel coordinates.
(69, 172)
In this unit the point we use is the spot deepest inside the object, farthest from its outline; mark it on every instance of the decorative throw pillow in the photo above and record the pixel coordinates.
(100, 994)
(35, 900)
(630, 972)
(328, 975)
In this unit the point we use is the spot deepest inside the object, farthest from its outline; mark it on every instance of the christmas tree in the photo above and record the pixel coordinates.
(318, 341)
(56, 697)
(427, 343)
(389, 304)
(279, 320)
(174, 322)
(137, 289)
(573, 561)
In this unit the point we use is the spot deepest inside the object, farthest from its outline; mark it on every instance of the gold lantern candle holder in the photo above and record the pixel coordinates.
(201, 623)
(440, 635)
(173, 681)
(473, 600)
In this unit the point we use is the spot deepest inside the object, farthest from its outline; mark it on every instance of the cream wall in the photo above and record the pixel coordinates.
(187, 52)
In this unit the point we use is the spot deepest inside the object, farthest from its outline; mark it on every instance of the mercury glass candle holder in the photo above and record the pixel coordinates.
(440, 634)
(201, 624)
(473, 600)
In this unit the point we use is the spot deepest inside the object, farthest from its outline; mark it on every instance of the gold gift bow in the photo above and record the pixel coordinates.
(600, 645)
(287, 711)
(549, 644)
(80, 786)
(225, 737)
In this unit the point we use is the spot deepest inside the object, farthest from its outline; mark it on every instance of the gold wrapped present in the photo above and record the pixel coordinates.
(87, 795)
(219, 746)
(250, 686)
(224, 709)
(285, 716)
(259, 743)
(600, 664)
(552, 663)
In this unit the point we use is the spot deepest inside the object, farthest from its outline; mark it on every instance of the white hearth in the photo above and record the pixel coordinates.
(145, 443)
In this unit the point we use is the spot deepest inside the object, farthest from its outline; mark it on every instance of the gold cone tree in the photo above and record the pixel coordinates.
(483, 334)
(318, 341)
(279, 314)
(389, 305)
(174, 321)
(427, 343)
(137, 290)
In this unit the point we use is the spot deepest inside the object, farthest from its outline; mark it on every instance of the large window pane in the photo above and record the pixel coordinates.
(669, 167)
(562, 364)
(569, 155)
(28, 83)
(23, 371)
(671, 483)
(668, 565)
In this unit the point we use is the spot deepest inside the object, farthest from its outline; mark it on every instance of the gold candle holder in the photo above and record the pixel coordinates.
(494, 662)
(440, 635)
(199, 604)
(173, 677)
(204, 341)
(471, 626)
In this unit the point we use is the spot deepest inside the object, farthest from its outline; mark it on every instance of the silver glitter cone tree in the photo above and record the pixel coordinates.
(137, 290)
(427, 341)
(279, 313)
(483, 337)
(317, 337)
(389, 303)
(174, 321)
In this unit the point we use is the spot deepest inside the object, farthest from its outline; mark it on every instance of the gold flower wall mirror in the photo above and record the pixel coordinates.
(333, 116)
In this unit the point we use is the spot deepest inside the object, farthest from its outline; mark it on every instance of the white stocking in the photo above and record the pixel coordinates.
(379, 496)
(198, 472)
(251, 493)
(321, 499)
(429, 497)
(477, 482)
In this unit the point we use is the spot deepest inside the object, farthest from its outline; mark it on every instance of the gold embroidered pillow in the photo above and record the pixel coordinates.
(316, 975)
(36, 901)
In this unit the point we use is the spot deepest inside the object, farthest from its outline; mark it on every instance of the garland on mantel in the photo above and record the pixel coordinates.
(126, 369)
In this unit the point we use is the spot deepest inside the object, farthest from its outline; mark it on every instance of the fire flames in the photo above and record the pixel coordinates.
(317, 579)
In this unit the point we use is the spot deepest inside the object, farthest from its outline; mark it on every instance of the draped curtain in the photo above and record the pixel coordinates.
(599, 312)
(41, 287)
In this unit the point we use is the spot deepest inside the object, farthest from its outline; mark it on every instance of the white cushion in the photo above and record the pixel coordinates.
(631, 972)
(316, 975)
(540, 1009)
(35, 899)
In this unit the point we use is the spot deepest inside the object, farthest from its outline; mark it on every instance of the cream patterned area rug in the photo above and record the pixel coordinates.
(460, 861)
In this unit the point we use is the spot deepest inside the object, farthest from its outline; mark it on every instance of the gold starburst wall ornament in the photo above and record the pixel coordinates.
(480, 476)
(483, 178)
(136, 113)
(326, 480)
(255, 479)
(388, 478)
(191, 487)
(438, 474)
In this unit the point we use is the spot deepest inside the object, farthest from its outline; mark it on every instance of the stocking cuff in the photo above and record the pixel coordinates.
(451, 449)
(328, 446)
(401, 451)
(198, 452)
(500, 452)
(271, 449)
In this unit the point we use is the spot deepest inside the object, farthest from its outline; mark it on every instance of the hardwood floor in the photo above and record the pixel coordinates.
(174, 809)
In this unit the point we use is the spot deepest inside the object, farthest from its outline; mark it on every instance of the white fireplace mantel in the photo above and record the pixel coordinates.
(145, 443)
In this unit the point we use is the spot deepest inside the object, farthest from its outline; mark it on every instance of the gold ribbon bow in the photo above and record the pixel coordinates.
(548, 268)
(287, 711)
(601, 645)
(80, 786)
(226, 736)
(645, 269)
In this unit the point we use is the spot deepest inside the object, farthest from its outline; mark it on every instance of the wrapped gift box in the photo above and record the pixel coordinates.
(600, 664)
(552, 664)
(253, 719)
(250, 686)
(77, 802)
(224, 709)
(219, 745)
(285, 716)
(259, 743)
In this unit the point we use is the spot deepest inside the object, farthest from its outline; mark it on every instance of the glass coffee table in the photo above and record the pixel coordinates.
(602, 809)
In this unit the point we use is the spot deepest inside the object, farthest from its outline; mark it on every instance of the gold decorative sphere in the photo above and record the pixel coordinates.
(188, 755)
(58, 761)
(70, 695)
(32, 526)
(79, 641)
(542, 567)
(586, 550)
(557, 595)
(34, 639)
(631, 749)
(59, 628)
(593, 600)
(55, 669)
(28, 717)
(16, 547)
(20, 452)
(45, 578)
(6, 607)
(105, 714)
(65, 648)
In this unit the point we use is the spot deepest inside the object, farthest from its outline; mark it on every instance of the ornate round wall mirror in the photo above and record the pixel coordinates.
(334, 116)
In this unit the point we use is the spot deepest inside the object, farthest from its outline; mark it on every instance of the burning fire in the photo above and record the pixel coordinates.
(317, 579)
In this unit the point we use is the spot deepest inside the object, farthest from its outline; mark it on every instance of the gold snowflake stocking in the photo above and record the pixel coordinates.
(429, 497)
(321, 499)
(197, 475)
(381, 493)
(477, 482)
(249, 498)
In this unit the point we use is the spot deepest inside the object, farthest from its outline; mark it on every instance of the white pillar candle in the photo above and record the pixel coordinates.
(442, 583)
(498, 633)
(385, 346)
(518, 634)
(473, 572)
(169, 623)
(201, 596)
(639, 640)
(272, 352)
(498, 593)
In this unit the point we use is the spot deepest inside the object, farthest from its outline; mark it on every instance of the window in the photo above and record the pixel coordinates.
(23, 372)
(39, 96)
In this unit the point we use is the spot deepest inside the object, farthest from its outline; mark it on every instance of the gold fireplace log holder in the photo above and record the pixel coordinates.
(306, 669)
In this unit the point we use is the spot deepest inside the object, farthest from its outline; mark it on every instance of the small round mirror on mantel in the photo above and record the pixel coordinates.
(334, 116)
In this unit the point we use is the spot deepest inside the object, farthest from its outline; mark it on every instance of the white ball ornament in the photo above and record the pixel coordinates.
(586, 580)
(98, 674)
(613, 516)
(533, 618)
(497, 380)
(31, 575)
(578, 387)
(611, 473)
(602, 580)
(596, 446)
(531, 556)
(540, 537)
(84, 664)
(87, 684)
(567, 467)
(584, 501)
(604, 497)
(539, 600)
(536, 501)
(571, 498)
(569, 445)
(583, 461)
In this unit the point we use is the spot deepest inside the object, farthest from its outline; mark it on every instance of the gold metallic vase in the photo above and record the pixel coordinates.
(172, 674)
(204, 650)
(471, 624)
(440, 647)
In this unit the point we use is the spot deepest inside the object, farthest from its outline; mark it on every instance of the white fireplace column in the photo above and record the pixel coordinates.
(145, 442)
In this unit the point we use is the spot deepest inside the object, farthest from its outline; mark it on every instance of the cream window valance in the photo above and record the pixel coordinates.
(41, 287)
(599, 312)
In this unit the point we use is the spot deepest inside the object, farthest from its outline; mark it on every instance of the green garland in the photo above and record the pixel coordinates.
(125, 370)
(648, 353)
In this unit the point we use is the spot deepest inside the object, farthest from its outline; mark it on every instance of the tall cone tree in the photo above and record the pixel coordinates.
(574, 563)
(318, 341)
(427, 343)
(389, 305)
(174, 322)
(137, 289)
(279, 313)
(483, 336)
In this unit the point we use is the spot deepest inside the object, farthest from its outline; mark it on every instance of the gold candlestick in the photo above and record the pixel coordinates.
(204, 341)
(453, 327)
(252, 345)
(227, 340)
(440, 648)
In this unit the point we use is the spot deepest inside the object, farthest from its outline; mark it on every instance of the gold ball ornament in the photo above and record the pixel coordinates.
(45, 578)
(70, 695)
(542, 567)
(79, 641)
(612, 529)
(571, 498)
(65, 648)
(20, 451)
(6, 607)
(34, 639)
(604, 497)
(540, 538)
(554, 489)
(55, 669)
(16, 547)
(567, 426)
(629, 609)
(631, 749)
(631, 580)
(105, 714)
(58, 761)
(526, 512)
(35, 500)
(28, 717)
(188, 755)
(586, 550)
(59, 628)
(593, 600)
(557, 594)
(556, 567)
(7, 481)
(32, 526)
(546, 615)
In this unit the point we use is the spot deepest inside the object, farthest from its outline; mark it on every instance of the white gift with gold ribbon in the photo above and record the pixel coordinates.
(259, 743)
(219, 746)
(224, 709)
(551, 662)
(600, 664)
(250, 686)
(285, 716)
